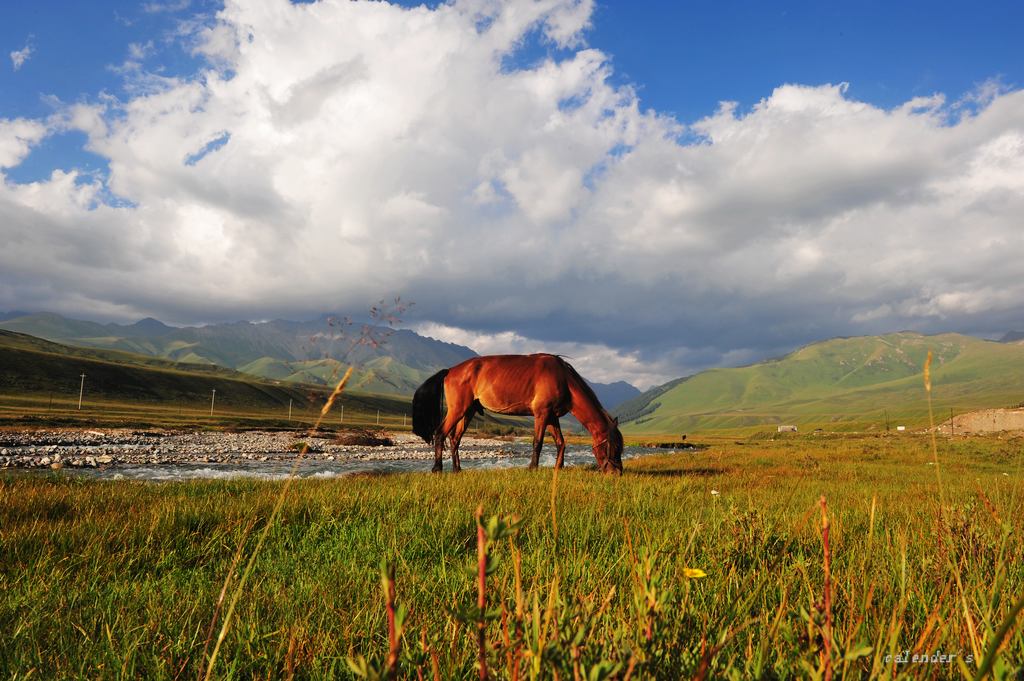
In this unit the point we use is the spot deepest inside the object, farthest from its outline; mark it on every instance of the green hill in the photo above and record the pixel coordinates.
(844, 383)
(32, 366)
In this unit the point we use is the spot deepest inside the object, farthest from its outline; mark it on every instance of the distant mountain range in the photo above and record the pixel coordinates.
(392, 361)
(387, 361)
(1013, 337)
(839, 383)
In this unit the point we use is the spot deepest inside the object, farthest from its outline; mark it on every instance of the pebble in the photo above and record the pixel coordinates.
(59, 448)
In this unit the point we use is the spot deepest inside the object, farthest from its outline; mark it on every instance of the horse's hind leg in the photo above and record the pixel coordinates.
(556, 433)
(438, 453)
(458, 412)
(460, 430)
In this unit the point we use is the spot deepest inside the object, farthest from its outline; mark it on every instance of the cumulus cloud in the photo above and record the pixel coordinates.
(332, 153)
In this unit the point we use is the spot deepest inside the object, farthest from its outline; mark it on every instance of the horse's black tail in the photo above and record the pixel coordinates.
(426, 406)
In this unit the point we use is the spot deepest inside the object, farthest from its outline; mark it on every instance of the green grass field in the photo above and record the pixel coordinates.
(121, 579)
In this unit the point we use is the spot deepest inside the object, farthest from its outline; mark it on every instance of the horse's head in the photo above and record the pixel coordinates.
(609, 452)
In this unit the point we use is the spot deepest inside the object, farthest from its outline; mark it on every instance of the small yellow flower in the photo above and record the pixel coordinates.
(694, 573)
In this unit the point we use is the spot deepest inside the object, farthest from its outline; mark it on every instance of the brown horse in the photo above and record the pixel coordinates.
(544, 386)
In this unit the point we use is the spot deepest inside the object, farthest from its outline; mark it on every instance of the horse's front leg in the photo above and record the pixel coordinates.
(456, 439)
(539, 424)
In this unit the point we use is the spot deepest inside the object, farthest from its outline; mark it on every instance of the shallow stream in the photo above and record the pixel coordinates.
(513, 455)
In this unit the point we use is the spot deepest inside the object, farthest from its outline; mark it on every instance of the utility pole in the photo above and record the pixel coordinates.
(886, 420)
(81, 390)
(213, 398)
(342, 419)
(378, 417)
(952, 428)
(289, 409)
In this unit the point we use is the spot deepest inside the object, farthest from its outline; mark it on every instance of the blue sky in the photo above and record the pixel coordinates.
(688, 56)
(534, 174)
(75, 52)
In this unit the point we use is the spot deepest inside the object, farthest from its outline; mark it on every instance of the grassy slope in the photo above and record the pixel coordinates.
(848, 382)
(120, 579)
(34, 367)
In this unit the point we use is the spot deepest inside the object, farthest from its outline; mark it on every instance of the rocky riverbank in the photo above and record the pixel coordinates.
(59, 448)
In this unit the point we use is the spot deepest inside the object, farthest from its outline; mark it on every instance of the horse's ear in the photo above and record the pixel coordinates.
(616, 421)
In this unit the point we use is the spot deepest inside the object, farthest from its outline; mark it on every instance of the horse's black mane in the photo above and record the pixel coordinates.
(584, 386)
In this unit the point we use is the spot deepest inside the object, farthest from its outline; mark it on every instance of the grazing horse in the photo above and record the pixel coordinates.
(544, 386)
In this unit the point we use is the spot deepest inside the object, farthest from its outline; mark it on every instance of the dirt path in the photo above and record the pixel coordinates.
(985, 421)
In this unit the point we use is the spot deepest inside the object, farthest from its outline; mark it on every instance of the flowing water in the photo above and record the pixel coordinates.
(516, 455)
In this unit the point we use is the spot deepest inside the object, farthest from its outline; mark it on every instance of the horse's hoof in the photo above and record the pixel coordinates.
(456, 469)
(436, 469)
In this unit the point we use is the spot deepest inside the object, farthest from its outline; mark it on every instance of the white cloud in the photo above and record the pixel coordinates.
(139, 51)
(16, 139)
(172, 6)
(19, 57)
(372, 149)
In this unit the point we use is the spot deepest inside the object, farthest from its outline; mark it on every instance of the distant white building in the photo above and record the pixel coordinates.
(901, 428)
(787, 429)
